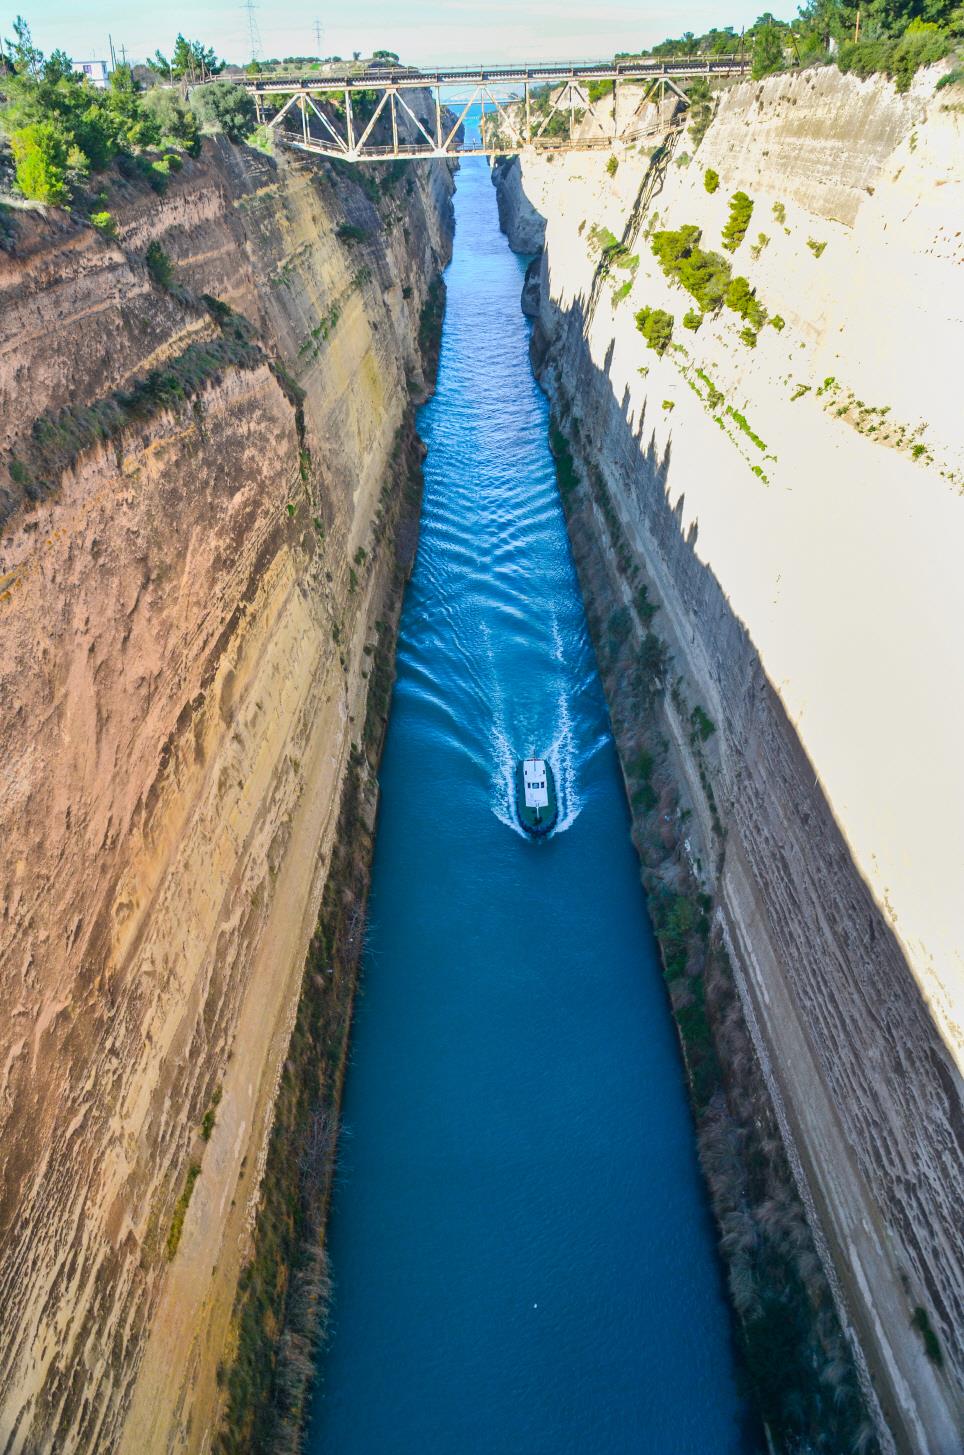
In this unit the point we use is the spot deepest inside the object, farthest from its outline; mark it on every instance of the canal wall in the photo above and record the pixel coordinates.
(208, 495)
(778, 509)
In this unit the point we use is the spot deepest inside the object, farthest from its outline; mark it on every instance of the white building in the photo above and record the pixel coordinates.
(97, 72)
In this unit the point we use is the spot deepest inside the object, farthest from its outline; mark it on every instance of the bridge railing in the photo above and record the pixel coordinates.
(374, 77)
(548, 111)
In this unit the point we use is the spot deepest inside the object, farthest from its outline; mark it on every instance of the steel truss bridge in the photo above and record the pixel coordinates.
(330, 127)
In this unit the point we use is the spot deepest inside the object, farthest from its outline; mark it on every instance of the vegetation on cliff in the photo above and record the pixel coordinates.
(62, 129)
(799, 1371)
(282, 1300)
(895, 37)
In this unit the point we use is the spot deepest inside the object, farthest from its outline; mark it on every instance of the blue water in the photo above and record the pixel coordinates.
(522, 1254)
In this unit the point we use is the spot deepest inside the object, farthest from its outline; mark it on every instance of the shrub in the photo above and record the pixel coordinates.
(159, 265)
(348, 232)
(176, 121)
(704, 275)
(210, 1116)
(692, 319)
(104, 223)
(816, 247)
(656, 327)
(953, 78)
(778, 323)
(711, 180)
(741, 298)
(741, 210)
(703, 726)
(40, 154)
(921, 44)
(767, 49)
(759, 245)
(748, 336)
(702, 107)
(180, 1210)
(225, 107)
(932, 1347)
(262, 138)
(612, 166)
(779, 213)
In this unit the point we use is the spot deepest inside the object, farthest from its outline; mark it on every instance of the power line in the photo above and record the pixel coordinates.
(254, 34)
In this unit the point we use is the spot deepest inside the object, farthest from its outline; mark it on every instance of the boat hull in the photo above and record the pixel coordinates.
(540, 822)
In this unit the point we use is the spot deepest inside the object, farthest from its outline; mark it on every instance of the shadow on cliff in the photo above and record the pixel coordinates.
(896, 1091)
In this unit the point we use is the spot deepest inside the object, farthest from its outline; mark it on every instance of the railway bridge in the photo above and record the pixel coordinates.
(367, 113)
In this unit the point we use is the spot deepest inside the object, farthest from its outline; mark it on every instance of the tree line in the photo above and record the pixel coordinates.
(61, 129)
(894, 36)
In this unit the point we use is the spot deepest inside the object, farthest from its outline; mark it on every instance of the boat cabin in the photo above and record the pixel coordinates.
(535, 783)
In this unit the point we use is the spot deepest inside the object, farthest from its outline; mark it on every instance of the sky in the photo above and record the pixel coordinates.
(455, 31)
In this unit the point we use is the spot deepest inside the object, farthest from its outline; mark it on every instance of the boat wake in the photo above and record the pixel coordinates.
(561, 753)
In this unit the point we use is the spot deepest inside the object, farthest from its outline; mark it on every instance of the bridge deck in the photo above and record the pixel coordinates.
(410, 77)
(536, 118)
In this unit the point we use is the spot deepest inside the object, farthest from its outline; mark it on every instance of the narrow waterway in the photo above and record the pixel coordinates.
(521, 1248)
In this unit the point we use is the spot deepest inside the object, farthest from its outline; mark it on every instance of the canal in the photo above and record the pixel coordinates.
(521, 1248)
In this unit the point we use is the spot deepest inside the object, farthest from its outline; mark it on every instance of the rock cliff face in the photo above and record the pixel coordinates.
(793, 505)
(195, 495)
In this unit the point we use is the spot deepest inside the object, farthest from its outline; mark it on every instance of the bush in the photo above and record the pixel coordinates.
(656, 327)
(741, 210)
(932, 1348)
(767, 49)
(816, 247)
(40, 155)
(702, 724)
(263, 139)
(104, 223)
(748, 336)
(180, 1210)
(692, 319)
(704, 275)
(612, 166)
(741, 298)
(348, 232)
(702, 107)
(225, 107)
(953, 78)
(159, 265)
(778, 323)
(921, 44)
(176, 122)
(711, 180)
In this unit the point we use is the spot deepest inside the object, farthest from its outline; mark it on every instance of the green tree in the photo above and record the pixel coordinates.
(768, 35)
(20, 53)
(40, 153)
(227, 107)
(190, 60)
(656, 327)
(131, 126)
(177, 122)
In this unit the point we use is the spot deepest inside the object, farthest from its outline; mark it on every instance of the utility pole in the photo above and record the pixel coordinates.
(317, 37)
(857, 26)
(113, 57)
(254, 35)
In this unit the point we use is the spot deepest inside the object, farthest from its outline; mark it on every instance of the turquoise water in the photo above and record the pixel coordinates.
(522, 1254)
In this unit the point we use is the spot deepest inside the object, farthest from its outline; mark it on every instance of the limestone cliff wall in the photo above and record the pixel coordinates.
(185, 605)
(796, 510)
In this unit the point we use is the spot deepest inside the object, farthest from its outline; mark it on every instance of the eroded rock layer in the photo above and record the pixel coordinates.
(789, 493)
(194, 552)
